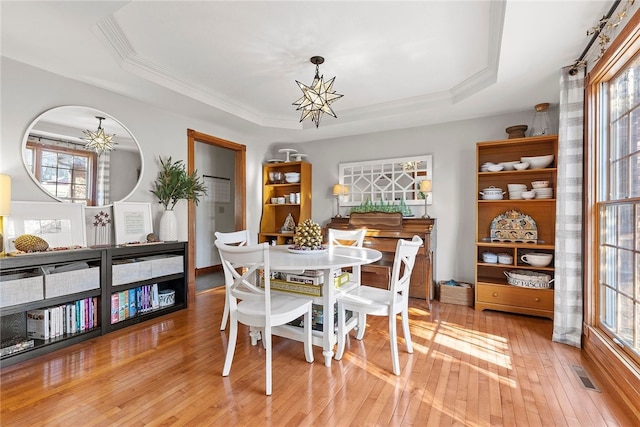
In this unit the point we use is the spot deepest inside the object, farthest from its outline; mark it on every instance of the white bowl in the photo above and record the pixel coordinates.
(540, 184)
(538, 162)
(521, 166)
(537, 259)
(495, 168)
(292, 177)
(528, 195)
(517, 187)
(508, 166)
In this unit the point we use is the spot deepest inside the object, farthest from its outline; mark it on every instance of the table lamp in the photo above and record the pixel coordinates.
(5, 204)
(339, 190)
(425, 189)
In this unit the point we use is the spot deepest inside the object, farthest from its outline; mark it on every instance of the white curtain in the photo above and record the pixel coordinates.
(568, 283)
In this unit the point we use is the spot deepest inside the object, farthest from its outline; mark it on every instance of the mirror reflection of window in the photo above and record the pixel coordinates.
(56, 155)
(64, 169)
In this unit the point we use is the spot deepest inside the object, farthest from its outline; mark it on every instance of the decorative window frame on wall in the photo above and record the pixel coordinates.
(386, 180)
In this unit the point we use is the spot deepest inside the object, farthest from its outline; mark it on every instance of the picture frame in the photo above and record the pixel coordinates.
(132, 221)
(59, 224)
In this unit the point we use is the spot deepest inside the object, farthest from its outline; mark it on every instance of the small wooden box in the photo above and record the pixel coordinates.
(460, 295)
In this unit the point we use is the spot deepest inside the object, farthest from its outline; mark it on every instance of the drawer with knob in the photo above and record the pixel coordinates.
(539, 299)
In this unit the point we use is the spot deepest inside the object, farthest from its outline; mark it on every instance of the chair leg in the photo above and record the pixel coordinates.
(362, 325)
(405, 330)
(231, 345)
(342, 334)
(393, 342)
(225, 314)
(266, 338)
(308, 345)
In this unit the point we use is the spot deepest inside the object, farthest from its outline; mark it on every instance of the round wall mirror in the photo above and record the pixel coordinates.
(82, 155)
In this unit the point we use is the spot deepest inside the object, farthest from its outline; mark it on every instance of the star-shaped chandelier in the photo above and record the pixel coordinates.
(98, 140)
(317, 97)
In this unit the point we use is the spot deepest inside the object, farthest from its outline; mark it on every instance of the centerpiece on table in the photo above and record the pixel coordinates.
(307, 238)
(173, 184)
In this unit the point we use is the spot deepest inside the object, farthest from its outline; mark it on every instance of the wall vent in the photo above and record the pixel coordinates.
(583, 378)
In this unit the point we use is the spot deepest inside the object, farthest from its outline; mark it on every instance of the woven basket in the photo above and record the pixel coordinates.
(528, 279)
(459, 295)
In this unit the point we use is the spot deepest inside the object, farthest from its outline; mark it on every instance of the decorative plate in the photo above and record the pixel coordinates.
(293, 250)
(514, 226)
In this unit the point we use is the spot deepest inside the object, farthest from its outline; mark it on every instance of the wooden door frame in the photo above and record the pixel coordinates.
(239, 191)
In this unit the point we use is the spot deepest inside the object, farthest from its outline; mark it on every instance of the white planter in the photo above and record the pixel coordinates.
(168, 227)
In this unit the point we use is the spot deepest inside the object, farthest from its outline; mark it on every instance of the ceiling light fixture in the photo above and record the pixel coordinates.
(99, 141)
(317, 98)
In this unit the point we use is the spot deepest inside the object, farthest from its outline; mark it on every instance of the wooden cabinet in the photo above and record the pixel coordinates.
(133, 271)
(91, 277)
(274, 214)
(383, 232)
(492, 289)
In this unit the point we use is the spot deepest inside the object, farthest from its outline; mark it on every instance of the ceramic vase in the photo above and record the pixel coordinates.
(168, 227)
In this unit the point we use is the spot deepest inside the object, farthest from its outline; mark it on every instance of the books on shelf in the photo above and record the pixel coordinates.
(134, 302)
(304, 287)
(58, 321)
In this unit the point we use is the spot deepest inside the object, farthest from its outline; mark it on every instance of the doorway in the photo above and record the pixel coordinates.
(239, 190)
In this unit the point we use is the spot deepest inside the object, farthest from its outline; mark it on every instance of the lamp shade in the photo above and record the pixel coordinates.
(340, 190)
(425, 185)
(5, 195)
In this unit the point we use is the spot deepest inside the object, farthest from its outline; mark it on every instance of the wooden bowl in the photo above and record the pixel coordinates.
(516, 131)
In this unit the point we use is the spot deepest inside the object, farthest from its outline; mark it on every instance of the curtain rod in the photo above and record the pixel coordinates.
(574, 69)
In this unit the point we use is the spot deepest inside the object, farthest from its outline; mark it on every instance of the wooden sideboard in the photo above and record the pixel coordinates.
(383, 232)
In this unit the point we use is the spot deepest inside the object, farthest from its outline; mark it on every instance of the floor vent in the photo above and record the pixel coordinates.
(583, 378)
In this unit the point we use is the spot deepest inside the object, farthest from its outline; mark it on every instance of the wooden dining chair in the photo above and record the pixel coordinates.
(368, 300)
(237, 238)
(264, 311)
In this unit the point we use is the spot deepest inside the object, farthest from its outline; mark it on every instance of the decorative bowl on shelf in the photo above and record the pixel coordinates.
(495, 168)
(509, 166)
(537, 259)
(528, 194)
(540, 184)
(538, 162)
(516, 131)
(521, 166)
(292, 177)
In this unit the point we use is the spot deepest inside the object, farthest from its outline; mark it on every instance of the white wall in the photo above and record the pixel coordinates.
(28, 91)
(453, 148)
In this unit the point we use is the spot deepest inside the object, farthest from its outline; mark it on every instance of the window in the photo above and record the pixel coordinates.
(65, 173)
(617, 204)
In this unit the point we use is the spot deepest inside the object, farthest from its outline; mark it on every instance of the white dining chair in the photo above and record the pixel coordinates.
(381, 302)
(355, 237)
(237, 238)
(265, 312)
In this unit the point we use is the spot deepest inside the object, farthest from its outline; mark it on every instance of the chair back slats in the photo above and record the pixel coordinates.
(236, 238)
(346, 237)
(245, 265)
(405, 258)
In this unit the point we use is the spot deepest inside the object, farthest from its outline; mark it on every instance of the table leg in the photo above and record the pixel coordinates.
(328, 329)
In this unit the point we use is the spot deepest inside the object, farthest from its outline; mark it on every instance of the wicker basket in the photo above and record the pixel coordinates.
(460, 294)
(528, 279)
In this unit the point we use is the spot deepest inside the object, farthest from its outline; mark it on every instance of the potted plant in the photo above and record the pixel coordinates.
(172, 185)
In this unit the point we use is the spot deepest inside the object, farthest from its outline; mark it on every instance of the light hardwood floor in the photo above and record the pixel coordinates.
(468, 368)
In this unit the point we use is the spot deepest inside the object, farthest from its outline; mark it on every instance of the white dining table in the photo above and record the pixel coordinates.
(335, 258)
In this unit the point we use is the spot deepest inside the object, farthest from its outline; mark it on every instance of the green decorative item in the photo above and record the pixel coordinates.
(174, 184)
(382, 206)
